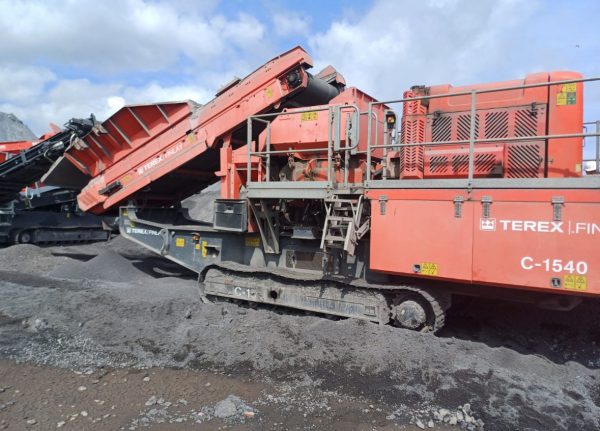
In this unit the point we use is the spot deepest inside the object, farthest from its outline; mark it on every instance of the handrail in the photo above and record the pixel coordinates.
(597, 134)
(334, 132)
(473, 107)
(333, 141)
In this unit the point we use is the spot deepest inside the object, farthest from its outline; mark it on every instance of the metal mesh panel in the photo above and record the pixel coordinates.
(496, 124)
(438, 164)
(526, 122)
(441, 129)
(463, 127)
(411, 158)
(524, 160)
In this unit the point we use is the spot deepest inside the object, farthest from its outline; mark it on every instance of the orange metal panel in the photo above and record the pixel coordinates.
(565, 115)
(417, 232)
(144, 147)
(521, 246)
(490, 100)
(310, 130)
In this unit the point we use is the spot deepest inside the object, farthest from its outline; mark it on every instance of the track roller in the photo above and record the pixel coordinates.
(419, 310)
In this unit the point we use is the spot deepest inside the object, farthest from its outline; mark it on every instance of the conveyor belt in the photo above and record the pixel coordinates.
(30, 165)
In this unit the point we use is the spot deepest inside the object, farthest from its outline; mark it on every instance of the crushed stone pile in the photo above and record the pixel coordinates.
(508, 366)
(13, 129)
(108, 266)
(200, 206)
(24, 257)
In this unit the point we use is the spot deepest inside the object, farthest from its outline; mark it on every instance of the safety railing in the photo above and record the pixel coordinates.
(472, 141)
(596, 159)
(334, 140)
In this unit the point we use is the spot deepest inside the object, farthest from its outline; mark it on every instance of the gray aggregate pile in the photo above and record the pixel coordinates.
(200, 206)
(497, 366)
(107, 266)
(13, 129)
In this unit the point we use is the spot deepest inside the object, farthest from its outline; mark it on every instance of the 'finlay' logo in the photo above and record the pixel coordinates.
(487, 224)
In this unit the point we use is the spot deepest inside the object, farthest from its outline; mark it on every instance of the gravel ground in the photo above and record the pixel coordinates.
(114, 308)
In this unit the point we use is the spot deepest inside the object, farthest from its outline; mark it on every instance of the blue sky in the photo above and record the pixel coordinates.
(67, 58)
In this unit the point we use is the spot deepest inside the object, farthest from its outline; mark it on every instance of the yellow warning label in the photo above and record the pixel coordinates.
(179, 242)
(568, 95)
(269, 92)
(575, 282)
(308, 116)
(429, 268)
(252, 241)
(204, 244)
(197, 246)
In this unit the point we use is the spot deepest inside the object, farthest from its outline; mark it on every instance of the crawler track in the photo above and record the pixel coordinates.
(376, 303)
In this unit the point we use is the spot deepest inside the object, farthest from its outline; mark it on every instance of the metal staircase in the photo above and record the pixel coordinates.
(343, 226)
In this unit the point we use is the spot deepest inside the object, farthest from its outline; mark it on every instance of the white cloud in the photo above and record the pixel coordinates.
(65, 59)
(22, 82)
(433, 42)
(116, 36)
(93, 56)
(289, 24)
(396, 45)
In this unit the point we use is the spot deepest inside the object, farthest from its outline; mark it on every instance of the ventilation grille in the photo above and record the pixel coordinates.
(496, 124)
(463, 127)
(456, 163)
(526, 122)
(492, 159)
(438, 165)
(411, 158)
(441, 130)
(524, 160)
(484, 164)
(413, 131)
(411, 162)
(413, 107)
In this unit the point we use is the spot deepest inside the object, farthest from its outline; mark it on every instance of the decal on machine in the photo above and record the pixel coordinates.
(487, 224)
(308, 116)
(573, 272)
(559, 227)
(567, 95)
(158, 160)
(555, 265)
(575, 282)
(429, 268)
(140, 231)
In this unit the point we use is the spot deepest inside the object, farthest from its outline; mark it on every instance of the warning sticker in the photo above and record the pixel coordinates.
(429, 268)
(252, 241)
(575, 282)
(308, 116)
(567, 95)
(179, 242)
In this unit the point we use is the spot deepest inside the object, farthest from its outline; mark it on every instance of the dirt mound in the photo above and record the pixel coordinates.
(24, 257)
(108, 266)
(23, 251)
(13, 129)
(510, 365)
